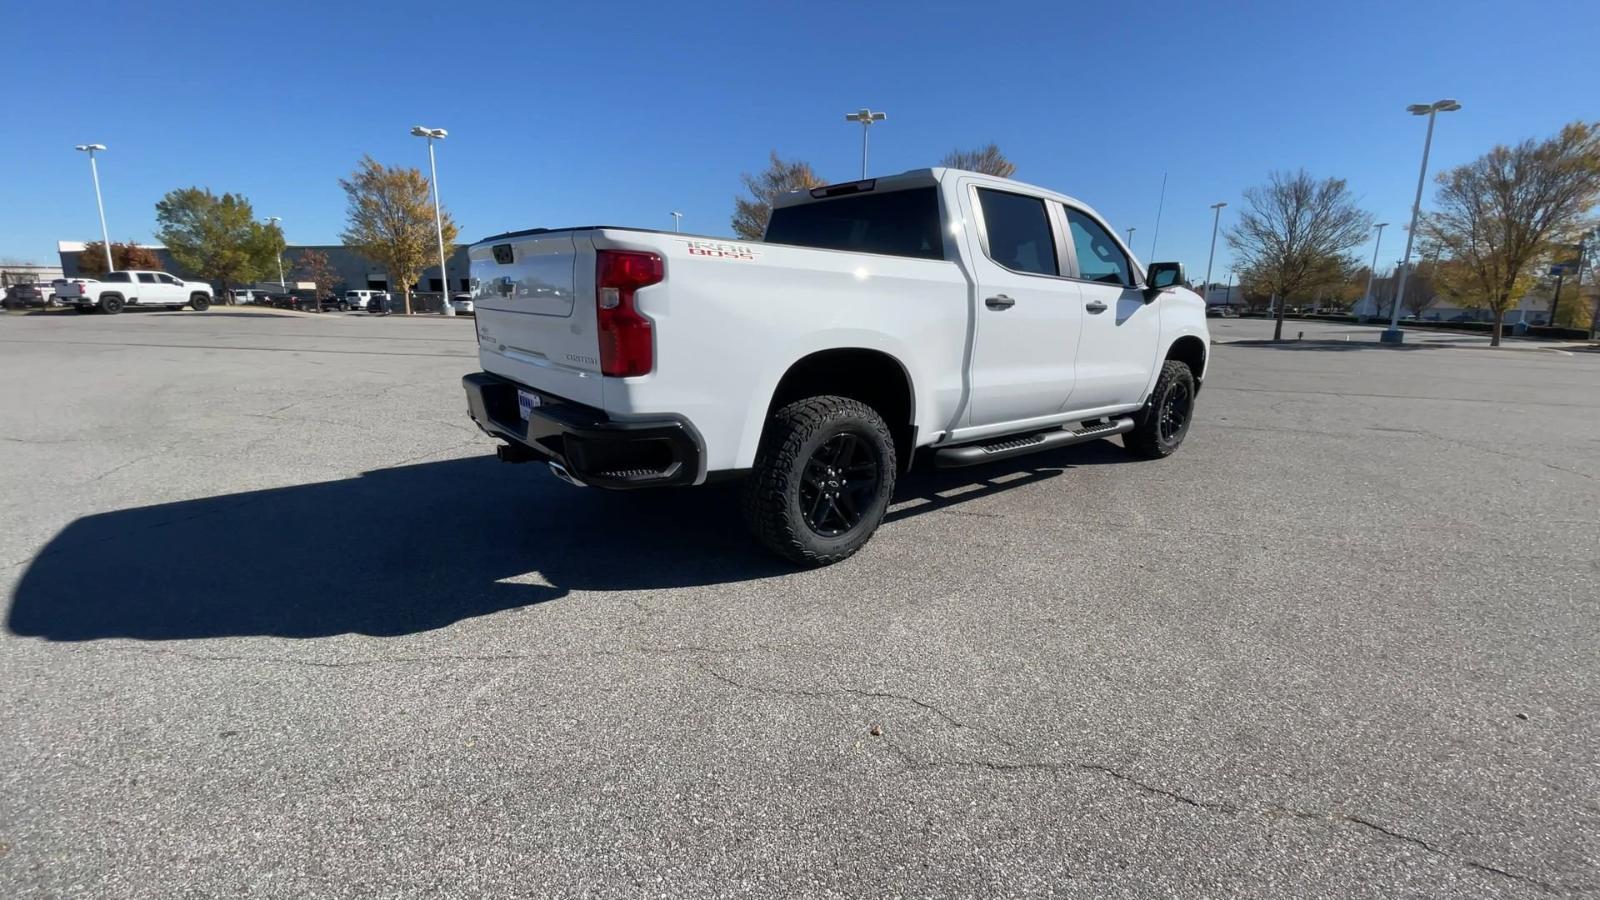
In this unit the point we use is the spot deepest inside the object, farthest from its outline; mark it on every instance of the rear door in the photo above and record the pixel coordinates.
(147, 290)
(532, 328)
(1028, 315)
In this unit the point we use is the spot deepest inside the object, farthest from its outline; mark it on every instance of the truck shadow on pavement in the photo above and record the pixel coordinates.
(414, 548)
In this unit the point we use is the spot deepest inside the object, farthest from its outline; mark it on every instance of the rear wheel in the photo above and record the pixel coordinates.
(822, 480)
(111, 305)
(1160, 427)
(200, 302)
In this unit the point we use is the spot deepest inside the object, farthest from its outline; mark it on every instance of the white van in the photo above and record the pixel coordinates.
(360, 299)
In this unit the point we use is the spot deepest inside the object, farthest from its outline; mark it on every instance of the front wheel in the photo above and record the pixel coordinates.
(822, 480)
(1161, 425)
(200, 302)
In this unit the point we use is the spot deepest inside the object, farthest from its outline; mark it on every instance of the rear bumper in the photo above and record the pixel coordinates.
(592, 448)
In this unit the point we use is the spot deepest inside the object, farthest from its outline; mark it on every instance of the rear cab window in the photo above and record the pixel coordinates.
(1017, 232)
(893, 223)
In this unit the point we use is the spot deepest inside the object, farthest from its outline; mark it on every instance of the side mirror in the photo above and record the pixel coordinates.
(1161, 276)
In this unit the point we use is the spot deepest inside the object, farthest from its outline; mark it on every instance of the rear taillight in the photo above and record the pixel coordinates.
(626, 339)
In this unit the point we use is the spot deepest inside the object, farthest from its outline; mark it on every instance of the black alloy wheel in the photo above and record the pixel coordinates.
(839, 484)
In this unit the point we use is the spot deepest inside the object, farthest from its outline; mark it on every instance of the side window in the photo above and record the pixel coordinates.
(116, 276)
(146, 278)
(1099, 257)
(166, 279)
(1018, 229)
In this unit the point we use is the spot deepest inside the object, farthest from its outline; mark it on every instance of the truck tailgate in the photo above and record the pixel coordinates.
(532, 326)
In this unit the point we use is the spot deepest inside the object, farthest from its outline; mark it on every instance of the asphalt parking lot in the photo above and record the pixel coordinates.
(279, 625)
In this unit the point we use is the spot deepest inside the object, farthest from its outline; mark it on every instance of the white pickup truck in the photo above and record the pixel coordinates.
(962, 316)
(116, 291)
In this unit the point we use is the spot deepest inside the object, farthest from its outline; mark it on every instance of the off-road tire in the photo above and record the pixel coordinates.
(1151, 437)
(110, 305)
(199, 303)
(772, 491)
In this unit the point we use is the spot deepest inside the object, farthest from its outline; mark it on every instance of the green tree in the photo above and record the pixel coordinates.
(216, 237)
(1295, 233)
(988, 160)
(390, 221)
(124, 255)
(1501, 217)
(750, 216)
(313, 266)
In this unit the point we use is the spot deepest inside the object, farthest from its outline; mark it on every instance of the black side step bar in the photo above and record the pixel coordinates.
(973, 454)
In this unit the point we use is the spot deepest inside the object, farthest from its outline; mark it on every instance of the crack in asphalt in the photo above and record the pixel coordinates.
(1121, 777)
(908, 760)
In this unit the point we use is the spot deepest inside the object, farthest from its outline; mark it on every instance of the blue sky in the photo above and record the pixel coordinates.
(580, 113)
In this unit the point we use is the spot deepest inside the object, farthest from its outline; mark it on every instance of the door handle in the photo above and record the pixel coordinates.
(1000, 301)
(1095, 306)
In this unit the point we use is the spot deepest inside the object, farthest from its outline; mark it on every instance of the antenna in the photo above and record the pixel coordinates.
(1159, 205)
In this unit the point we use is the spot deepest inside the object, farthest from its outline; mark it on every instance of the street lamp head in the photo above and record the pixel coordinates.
(865, 115)
(420, 131)
(1381, 225)
(1219, 205)
(1447, 106)
(1419, 109)
(90, 147)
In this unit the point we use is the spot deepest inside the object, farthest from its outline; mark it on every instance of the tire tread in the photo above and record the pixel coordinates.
(766, 491)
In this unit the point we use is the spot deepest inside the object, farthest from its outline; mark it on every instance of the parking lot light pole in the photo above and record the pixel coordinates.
(677, 221)
(866, 117)
(1216, 219)
(438, 217)
(1373, 271)
(94, 172)
(278, 252)
(1393, 335)
(1131, 230)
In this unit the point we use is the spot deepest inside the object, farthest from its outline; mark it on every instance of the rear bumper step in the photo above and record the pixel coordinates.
(583, 445)
(1006, 448)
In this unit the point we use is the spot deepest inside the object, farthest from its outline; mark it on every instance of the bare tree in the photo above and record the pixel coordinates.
(1501, 215)
(1296, 233)
(750, 216)
(988, 160)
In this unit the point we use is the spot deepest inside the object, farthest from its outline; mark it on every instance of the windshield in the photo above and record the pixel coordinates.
(897, 223)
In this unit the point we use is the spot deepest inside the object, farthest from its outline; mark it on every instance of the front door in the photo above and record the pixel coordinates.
(1027, 314)
(171, 289)
(1121, 332)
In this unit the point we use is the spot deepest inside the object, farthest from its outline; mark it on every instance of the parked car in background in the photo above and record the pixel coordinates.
(360, 299)
(462, 304)
(250, 296)
(25, 295)
(968, 317)
(332, 303)
(119, 290)
(304, 301)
